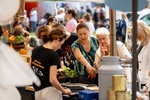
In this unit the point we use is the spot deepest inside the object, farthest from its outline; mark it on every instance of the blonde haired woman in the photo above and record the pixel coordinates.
(143, 36)
(87, 19)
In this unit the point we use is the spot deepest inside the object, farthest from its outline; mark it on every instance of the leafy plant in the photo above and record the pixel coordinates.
(19, 39)
(70, 73)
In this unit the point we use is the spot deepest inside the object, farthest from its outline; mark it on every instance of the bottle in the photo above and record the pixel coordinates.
(110, 66)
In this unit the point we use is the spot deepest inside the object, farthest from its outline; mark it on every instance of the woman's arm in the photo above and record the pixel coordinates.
(78, 55)
(55, 82)
(30, 62)
(122, 50)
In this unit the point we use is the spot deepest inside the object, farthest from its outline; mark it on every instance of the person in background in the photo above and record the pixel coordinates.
(88, 10)
(21, 26)
(43, 20)
(126, 30)
(102, 15)
(87, 19)
(44, 62)
(95, 18)
(71, 23)
(84, 49)
(143, 36)
(41, 31)
(122, 28)
(103, 37)
(29, 41)
(81, 12)
(24, 19)
(33, 19)
(65, 53)
(60, 15)
(51, 21)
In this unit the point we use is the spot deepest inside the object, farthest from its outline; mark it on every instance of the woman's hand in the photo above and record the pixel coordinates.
(92, 74)
(67, 91)
(105, 48)
(91, 71)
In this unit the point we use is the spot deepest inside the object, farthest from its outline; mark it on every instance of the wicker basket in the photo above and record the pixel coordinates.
(18, 47)
(13, 42)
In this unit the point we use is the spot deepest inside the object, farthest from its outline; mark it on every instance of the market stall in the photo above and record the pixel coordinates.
(112, 22)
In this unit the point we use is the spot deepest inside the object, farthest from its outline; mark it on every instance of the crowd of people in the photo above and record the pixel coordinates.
(66, 41)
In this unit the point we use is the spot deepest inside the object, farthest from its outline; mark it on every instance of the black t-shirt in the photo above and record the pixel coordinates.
(66, 52)
(42, 60)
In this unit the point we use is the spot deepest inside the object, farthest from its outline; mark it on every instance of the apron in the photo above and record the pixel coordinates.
(49, 93)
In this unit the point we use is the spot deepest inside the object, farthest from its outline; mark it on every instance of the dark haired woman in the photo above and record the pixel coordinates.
(51, 21)
(72, 23)
(44, 62)
(84, 49)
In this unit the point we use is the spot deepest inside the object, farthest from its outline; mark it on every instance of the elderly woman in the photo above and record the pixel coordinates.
(102, 35)
(143, 36)
(84, 49)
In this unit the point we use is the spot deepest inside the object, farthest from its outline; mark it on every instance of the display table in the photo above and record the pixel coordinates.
(27, 93)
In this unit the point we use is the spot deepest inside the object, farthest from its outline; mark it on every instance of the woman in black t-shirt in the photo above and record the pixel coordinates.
(44, 62)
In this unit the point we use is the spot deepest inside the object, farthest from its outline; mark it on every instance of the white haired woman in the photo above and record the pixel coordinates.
(103, 38)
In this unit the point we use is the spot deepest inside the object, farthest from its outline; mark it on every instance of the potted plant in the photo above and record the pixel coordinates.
(72, 74)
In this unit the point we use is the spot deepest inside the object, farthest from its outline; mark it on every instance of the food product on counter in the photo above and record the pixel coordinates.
(12, 38)
(22, 52)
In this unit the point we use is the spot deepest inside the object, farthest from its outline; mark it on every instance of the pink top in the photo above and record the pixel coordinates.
(71, 25)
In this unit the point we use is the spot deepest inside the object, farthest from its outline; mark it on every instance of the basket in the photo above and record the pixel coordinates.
(13, 42)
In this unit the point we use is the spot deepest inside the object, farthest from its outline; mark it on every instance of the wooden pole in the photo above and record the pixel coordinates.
(112, 16)
(21, 8)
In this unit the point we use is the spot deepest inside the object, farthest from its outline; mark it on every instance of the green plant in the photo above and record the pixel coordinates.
(19, 39)
(70, 73)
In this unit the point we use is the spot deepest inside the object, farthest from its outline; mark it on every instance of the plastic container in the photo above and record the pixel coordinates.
(88, 95)
(110, 66)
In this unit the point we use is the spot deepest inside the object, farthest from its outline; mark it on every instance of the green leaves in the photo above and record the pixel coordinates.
(70, 73)
(19, 39)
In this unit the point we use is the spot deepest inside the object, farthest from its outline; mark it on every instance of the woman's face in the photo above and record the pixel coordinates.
(41, 34)
(59, 43)
(68, 16)
(83, 34)
(52, 23)
(102, 38)
(138, 37)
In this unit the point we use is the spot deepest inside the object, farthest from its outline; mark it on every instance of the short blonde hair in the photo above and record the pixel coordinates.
(102, 31)
(143, 31)
(44, 29)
